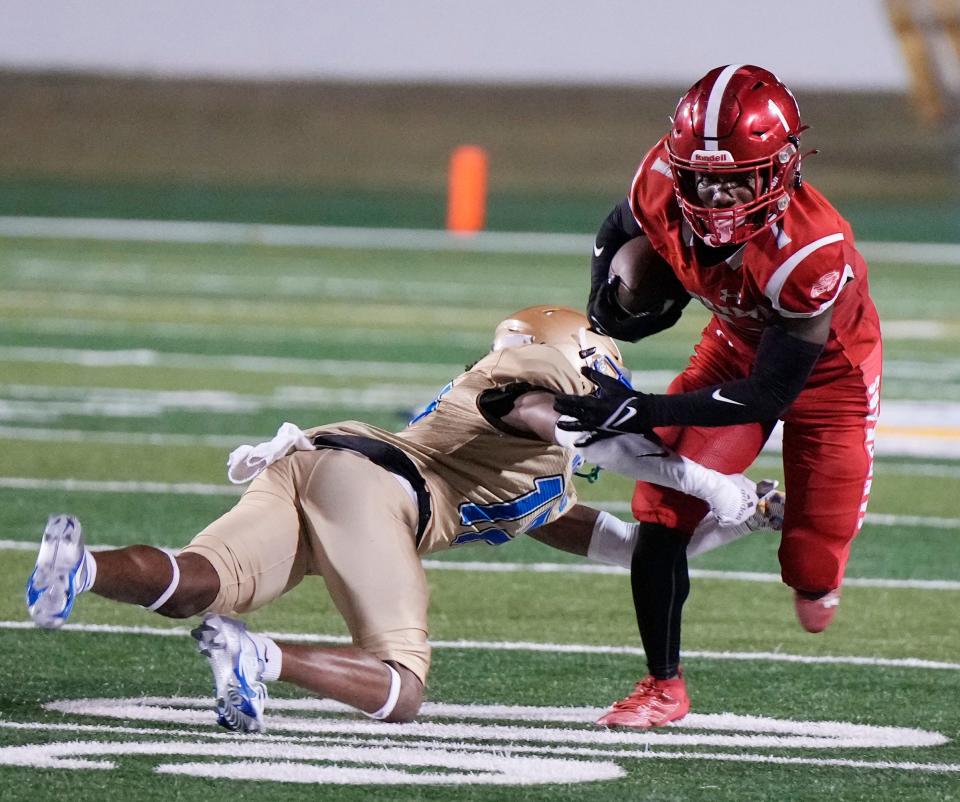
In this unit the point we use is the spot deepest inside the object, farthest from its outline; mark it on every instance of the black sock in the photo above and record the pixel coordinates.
(660, 583)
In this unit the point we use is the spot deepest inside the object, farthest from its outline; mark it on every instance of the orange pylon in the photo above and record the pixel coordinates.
(467, 189)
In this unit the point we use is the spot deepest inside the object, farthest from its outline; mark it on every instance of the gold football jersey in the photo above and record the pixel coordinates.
(486, 485)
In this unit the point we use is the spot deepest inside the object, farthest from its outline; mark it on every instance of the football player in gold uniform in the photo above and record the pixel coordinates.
(360, 506)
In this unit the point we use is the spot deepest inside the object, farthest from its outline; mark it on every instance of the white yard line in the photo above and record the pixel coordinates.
(527, 646)
(86, 486)
(45, 403)
(201, 489)
(940, 372)
(767, 461)
(604, 570)
(945, 372)
(148, 358)
(695, 573)
(42, 435)
(380, 238)
(878, 519)
(907, 428)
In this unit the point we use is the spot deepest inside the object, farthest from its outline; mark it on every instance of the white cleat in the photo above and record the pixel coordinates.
(237, 667)
(51, 588)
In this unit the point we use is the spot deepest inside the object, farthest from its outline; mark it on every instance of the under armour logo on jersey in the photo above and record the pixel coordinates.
(730, 296)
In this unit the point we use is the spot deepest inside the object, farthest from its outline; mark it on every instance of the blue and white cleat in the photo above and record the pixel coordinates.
(237, 667)
(52, 587)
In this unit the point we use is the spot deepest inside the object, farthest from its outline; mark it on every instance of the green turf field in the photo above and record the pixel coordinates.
(129, 370)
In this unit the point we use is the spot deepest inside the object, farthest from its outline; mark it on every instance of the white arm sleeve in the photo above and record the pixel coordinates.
(613, 541)
(647, 460)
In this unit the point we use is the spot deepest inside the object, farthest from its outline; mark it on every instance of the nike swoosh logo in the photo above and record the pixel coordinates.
(597, 251)
(718, 396)
(627, 412)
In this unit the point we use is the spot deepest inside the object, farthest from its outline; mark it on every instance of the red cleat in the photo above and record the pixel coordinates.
(816, 613)
(653, 703)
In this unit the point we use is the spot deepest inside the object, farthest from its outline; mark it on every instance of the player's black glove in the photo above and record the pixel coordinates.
(608, 317)
(614, 408)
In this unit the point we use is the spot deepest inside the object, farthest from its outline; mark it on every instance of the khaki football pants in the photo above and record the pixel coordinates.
(337, 515)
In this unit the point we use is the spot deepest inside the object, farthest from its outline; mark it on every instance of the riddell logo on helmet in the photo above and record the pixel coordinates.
(712, 156)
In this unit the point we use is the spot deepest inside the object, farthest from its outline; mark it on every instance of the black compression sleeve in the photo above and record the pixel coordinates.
(780, 370)
(605, 313)
(660, 583)
(619, 227)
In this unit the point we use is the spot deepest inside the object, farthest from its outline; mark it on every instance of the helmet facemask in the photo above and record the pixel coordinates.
(773, 180)
(601, 360)
(738, 120)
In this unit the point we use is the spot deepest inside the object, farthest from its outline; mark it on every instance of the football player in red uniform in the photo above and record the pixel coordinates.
(793, 335)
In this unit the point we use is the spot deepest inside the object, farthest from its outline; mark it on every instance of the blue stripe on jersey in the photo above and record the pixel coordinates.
(546, 489)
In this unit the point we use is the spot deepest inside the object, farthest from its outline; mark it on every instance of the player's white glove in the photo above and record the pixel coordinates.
(246, 462)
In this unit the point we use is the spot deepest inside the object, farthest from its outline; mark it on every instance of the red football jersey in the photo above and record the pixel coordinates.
(797, 268)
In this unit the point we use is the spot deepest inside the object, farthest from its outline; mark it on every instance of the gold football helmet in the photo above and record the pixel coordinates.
(566, 330)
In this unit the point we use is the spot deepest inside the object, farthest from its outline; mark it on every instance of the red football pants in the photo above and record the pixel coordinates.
(828, 443)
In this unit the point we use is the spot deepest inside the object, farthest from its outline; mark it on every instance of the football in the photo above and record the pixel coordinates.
(647, 282)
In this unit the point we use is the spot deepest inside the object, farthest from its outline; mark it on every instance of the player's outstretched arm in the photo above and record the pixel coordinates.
(786, 355)
(604, 538)
(638, 456)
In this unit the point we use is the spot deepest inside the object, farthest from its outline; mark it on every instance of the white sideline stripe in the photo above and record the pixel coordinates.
(200, 489)
(602, 570)
(526, 646)
(381, 238)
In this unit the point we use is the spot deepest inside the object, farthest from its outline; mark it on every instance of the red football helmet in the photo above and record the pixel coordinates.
(737, 121)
